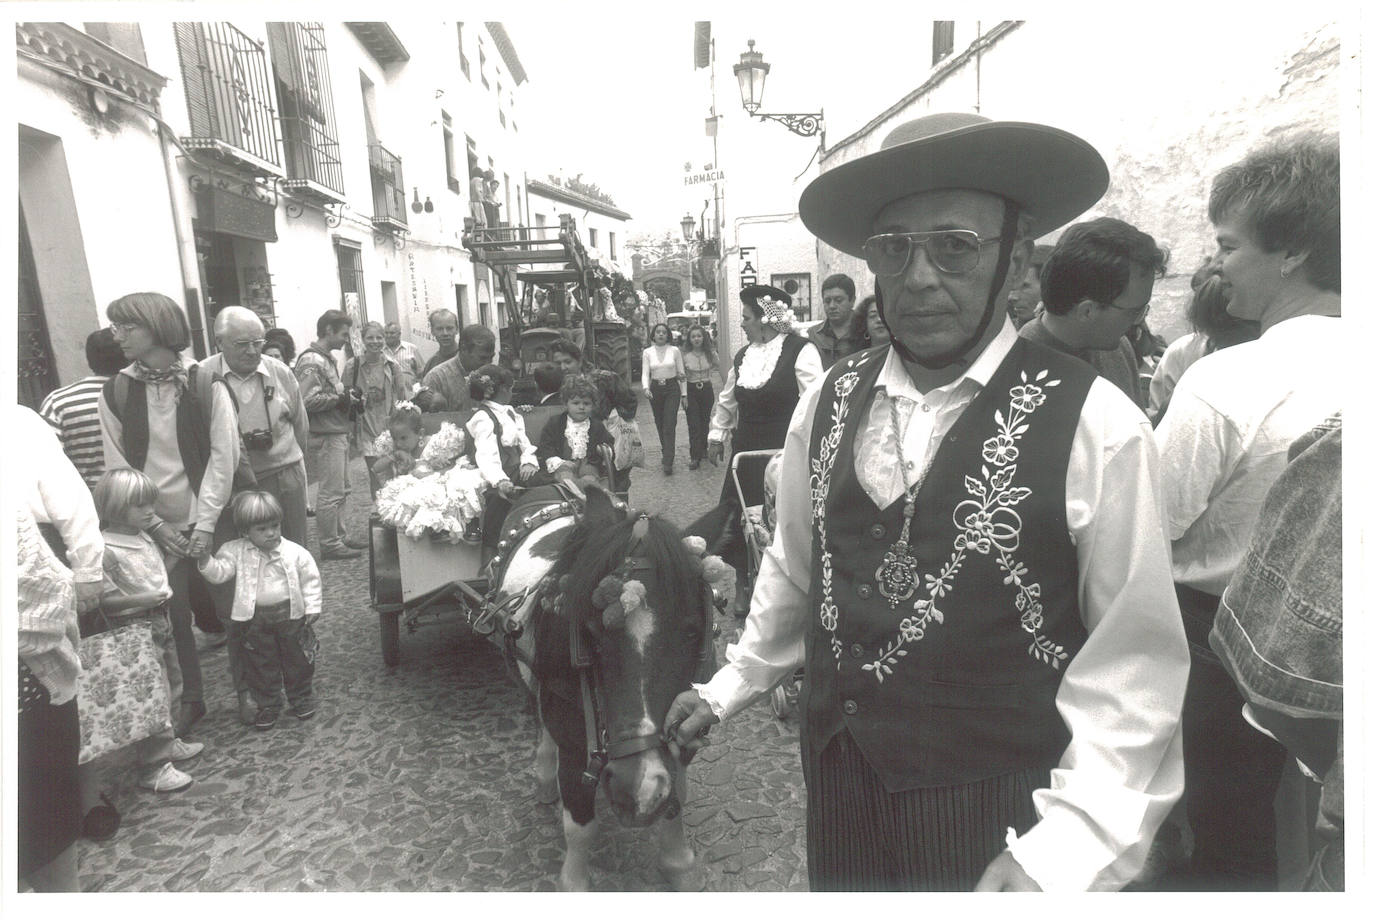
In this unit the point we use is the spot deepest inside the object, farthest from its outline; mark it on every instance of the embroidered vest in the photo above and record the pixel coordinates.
(764, 412)
(957, 682)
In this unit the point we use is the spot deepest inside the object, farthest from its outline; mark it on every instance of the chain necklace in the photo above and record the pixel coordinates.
(897, 576)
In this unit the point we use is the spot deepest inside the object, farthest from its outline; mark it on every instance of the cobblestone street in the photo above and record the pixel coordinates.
(420, 777)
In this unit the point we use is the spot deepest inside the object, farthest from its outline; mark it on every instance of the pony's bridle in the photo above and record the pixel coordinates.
(600, 749)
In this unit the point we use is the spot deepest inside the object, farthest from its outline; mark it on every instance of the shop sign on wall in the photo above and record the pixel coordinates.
(748, 274)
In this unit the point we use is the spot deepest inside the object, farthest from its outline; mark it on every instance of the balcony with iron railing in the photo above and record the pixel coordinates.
(309, 136)
(388, 189)
(228, 96)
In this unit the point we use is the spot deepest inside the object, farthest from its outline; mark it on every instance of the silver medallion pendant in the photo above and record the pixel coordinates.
(897, 577)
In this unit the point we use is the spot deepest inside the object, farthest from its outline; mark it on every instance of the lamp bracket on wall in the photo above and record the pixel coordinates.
(806, 125)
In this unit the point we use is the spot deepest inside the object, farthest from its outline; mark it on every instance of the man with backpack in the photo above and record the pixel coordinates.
(331, 407)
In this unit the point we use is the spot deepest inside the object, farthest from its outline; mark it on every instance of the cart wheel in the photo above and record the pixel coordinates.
(390, 623)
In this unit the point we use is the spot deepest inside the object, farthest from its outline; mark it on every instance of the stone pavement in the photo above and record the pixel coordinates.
(420, 777)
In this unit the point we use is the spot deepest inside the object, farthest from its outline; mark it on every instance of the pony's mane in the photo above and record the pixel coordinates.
(592, 552)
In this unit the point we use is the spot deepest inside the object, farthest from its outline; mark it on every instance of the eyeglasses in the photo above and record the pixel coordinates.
(121, 328)
(250, 345)
(1138, 312)
(954, 252)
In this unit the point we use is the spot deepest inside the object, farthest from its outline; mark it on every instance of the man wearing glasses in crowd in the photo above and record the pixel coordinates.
(969, 559)
(1096, 284)
(274, 430)
(272, 416)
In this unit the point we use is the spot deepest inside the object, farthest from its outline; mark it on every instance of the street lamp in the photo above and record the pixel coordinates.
(751, 72)
(689, 223)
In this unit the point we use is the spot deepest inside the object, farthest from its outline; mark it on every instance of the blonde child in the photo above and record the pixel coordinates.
(400, 446)
(136, 587)
(277, 599)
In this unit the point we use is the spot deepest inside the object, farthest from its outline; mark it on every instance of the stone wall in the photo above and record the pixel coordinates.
(1167, 105)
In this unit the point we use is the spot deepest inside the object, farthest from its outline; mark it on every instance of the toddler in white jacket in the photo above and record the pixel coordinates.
(277, 598)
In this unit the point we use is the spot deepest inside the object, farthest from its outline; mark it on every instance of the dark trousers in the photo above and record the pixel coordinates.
(700, 399)
(277, 651)
(179, 575)
(665, 397)
(861, 837)
(1231, 770)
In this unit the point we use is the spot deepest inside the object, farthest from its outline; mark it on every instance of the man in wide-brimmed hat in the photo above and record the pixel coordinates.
(969, 559)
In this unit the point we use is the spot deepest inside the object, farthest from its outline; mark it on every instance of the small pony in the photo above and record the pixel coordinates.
(620, 624)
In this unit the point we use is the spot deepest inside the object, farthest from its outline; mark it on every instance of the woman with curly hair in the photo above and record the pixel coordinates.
(1213, 330)
(700, 362)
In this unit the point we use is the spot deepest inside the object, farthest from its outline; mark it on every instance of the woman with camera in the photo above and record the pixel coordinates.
(380, 380)
(332, 408)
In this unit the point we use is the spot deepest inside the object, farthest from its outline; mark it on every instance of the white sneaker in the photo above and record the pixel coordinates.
(184, 750)
(166, 778)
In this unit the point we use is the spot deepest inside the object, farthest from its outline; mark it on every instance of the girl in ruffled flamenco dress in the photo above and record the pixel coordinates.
(430, 485)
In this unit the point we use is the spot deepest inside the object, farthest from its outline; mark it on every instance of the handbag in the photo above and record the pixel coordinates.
(122, 693)
(629, 448)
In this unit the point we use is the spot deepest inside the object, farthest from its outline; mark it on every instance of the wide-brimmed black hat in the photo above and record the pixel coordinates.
(751, 293)
(1053, 175)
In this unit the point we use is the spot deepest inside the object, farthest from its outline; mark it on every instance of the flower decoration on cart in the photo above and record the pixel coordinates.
(441, 493)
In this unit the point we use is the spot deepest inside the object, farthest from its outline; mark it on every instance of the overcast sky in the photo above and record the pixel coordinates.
(648, 105)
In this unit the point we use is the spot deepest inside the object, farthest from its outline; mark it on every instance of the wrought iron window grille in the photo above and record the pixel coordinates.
(228, 96)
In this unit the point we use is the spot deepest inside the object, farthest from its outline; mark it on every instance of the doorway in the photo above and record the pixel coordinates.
(37, 370)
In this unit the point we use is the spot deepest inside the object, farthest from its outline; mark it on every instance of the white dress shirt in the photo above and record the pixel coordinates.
(759, 361)
(1121, 695)
(1225, 438)
(54, 492)
(487, 452)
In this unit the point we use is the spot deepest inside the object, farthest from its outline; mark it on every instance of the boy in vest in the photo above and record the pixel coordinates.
(969, 560)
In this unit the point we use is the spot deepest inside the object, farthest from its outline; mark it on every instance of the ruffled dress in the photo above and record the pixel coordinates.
(440, 495)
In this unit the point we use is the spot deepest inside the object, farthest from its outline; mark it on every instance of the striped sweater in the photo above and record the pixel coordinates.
(73, 411)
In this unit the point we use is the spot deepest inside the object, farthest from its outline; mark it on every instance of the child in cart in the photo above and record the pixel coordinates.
(569, 445)
(429, 483)
(501, 450)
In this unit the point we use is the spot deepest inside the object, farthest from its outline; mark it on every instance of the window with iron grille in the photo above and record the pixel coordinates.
(482, 62)
(463, 58)
(309, 136)
(942, 44)
(388, 187)
(228, 94)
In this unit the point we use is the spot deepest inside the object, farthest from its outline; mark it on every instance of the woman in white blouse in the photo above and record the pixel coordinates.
(665, 380)
(762, 388)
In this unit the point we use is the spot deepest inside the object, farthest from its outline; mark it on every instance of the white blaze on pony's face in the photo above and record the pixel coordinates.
(653, 779)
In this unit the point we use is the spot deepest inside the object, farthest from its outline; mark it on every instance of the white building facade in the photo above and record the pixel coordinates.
(289, 167)
(602, 227)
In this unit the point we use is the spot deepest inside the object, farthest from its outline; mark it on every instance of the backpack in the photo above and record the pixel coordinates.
(199, 389)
